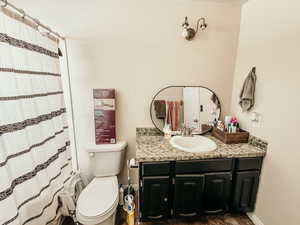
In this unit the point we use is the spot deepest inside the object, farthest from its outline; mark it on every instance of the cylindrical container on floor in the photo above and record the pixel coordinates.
(130, 218)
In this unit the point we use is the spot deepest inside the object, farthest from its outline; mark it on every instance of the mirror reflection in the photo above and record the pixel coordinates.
(175, 106)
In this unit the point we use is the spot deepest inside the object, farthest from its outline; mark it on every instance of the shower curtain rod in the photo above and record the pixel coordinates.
(5, 3)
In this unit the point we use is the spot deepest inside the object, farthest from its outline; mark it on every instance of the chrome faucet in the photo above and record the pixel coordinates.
(186, 131)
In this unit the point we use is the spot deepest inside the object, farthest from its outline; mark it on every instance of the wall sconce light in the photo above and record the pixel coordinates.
(189, 33)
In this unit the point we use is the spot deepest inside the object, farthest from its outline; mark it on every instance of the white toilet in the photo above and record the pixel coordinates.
(98, 202)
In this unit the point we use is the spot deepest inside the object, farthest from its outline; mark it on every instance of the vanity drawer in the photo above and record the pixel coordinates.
(155, 168)
(249, 163)
(203, 166)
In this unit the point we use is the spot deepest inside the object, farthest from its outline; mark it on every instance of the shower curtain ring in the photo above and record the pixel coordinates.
(4, 2)
(23, 13)
(37, 24)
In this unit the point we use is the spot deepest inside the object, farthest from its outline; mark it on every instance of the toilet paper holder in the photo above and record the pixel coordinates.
(132, 163)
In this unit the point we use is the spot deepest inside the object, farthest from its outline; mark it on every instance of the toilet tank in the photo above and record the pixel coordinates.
(107, 159)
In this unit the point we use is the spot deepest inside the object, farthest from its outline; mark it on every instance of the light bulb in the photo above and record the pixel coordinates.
(184, 33)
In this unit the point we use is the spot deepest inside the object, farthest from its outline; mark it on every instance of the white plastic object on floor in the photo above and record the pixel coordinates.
(121, 198)
(70, 193)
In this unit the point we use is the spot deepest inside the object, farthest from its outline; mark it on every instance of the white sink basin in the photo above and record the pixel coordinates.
(195, 144)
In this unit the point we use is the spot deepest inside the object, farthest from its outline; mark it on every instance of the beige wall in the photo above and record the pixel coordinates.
(269, 39)
(135, 46)
(149, 55)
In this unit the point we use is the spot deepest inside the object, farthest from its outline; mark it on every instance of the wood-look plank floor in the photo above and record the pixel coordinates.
(227, 219)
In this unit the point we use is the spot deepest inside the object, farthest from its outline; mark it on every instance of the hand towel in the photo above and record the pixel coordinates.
(174, 114)
(248, 91)
(215, 100)
(160, 109)
(170, 114)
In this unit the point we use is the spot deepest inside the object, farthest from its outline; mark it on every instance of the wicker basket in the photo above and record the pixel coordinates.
(231, 138)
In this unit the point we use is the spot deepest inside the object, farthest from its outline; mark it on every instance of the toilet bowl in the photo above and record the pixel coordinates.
(97, 203)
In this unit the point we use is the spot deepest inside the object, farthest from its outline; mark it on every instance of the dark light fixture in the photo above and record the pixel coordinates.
(189, 33)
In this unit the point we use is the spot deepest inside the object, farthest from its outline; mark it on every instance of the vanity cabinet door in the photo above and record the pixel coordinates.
(245, 190)
(188, 195)
(155, 198)
(217, 192)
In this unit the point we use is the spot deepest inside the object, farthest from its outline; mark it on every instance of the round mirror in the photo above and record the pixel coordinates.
(195, 106)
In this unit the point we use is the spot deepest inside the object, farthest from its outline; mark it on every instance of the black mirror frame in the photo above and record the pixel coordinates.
(180, 86)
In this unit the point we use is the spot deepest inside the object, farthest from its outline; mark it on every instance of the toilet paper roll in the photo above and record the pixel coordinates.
(132, 163)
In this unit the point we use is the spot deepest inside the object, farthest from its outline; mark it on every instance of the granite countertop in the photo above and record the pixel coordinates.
(158, 148)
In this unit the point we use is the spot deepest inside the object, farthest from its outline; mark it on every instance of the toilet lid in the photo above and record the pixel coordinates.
(98, 197)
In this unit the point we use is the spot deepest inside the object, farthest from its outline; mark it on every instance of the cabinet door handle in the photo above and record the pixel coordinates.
(215, 211)
(187, 214)
(155, 217)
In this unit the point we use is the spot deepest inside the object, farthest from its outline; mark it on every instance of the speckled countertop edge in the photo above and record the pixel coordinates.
(152, 146)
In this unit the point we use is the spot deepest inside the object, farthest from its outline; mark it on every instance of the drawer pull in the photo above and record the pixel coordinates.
(214, 211)
(155, 217)
(187, 214)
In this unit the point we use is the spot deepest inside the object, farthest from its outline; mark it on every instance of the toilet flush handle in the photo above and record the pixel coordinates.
(92, 154)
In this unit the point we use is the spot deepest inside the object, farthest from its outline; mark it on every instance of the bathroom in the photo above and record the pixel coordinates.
(137, 48)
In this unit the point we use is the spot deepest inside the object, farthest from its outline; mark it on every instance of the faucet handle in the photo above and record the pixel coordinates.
(183, 129)
(187, 130)
(190, 131)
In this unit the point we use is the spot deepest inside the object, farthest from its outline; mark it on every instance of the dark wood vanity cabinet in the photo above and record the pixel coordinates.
(188, 195)
(217, 192)
(196, 187)
(155, 197)
(245, 190)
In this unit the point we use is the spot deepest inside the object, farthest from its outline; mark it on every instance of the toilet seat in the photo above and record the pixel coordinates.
(98, 200)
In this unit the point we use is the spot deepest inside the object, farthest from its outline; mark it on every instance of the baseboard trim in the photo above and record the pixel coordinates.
(254, 219)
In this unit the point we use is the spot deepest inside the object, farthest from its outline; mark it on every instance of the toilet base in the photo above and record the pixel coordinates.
(110, 220)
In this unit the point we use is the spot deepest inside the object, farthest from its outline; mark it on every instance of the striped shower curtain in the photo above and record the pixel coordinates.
(35, 158)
